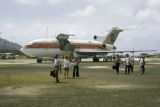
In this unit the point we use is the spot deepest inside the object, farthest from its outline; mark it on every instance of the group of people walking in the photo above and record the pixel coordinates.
(67, 63)
(129, 64)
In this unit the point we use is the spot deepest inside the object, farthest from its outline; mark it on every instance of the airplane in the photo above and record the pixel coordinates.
(7, 56)
(62, 45)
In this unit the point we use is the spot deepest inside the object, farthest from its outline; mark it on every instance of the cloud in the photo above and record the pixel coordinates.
(154, 3)
(18, 32)
(41, 2)
(29, 2)
(89, 10)
(84, 18)
(144, 14)
(9, 25)
(58, 1)
(148, 14)
(99, 2)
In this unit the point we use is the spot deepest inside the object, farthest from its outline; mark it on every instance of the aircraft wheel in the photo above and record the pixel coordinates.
(39, 60)
(105, 60)
(95, 59)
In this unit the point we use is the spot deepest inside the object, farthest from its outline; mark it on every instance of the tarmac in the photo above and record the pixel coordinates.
(16, 61)
(24, 83)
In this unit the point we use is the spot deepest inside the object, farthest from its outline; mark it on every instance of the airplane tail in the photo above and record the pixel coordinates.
(111, 37)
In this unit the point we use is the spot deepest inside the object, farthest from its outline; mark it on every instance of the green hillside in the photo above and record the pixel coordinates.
(7, 46)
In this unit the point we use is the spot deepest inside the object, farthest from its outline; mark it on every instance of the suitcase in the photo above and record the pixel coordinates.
(113, 67)
(53, 73)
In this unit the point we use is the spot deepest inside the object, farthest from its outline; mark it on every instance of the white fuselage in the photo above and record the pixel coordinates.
(51, 47)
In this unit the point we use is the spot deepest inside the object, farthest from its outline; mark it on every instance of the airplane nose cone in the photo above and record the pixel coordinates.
(27, 51)
(22, 49)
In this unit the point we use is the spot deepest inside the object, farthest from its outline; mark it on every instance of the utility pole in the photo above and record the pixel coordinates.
(133, 52)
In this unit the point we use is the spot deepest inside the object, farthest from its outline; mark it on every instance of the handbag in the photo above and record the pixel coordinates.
(53, 73)
(113, 67)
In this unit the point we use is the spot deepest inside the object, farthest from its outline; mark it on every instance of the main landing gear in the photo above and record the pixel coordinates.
(39, 60)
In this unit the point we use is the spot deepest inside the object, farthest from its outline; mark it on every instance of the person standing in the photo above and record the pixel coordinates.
(142, 64)
(127, 64)
(57, 63)
(76, 68)
(132, 63)
(66, 66)
(117, 63)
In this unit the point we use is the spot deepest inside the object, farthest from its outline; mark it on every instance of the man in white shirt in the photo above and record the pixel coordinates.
(66, 66)
(127, 64)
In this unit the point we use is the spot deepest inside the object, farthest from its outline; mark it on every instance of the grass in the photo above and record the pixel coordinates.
(29, 85)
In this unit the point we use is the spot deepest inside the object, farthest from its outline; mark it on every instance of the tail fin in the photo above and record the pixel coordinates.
(112, 35)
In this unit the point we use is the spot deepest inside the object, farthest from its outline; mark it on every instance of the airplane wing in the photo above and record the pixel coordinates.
(133, 51)
(92, 53)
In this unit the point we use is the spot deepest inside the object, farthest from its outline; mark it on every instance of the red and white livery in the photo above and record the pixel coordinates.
(42, 48)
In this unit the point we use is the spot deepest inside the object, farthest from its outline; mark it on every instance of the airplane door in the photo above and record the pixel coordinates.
(65, 46)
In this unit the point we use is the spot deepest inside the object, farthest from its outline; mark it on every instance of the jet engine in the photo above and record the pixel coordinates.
(98, 38)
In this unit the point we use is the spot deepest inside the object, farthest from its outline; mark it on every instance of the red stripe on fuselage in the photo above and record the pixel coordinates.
(76, 46)
(43, 46)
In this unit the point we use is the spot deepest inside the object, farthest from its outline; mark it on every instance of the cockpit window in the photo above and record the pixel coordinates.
(30, 43)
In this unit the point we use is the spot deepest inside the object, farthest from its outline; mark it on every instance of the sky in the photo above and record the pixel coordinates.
(22, 21)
